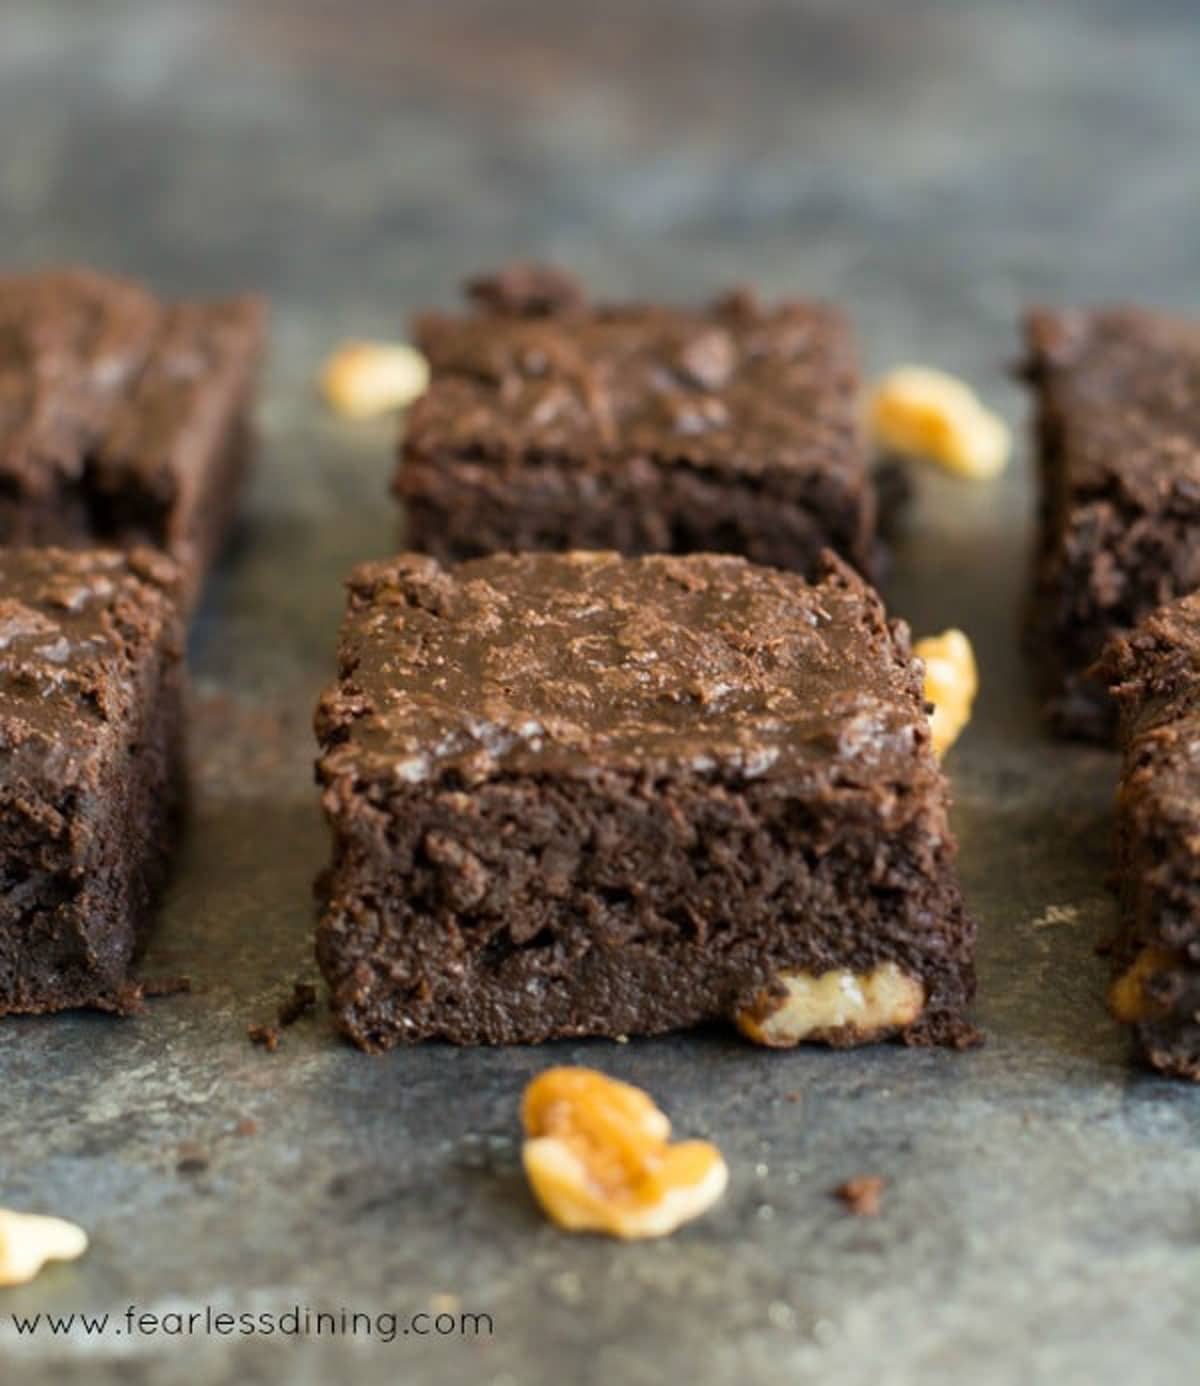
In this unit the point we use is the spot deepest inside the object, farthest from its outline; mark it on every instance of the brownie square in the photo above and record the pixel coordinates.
(1117, 394)
(554, 424)
(90, 731)
(123, 420)
(586, 794)
(1155, 673)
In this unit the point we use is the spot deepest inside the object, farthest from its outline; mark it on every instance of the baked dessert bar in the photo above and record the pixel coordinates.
(551, 423)
(1117, 394)
(586, 794)
(90, 768)
(1155, 673)
(123, 420)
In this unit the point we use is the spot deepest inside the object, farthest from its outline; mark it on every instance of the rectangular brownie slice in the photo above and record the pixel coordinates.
(585, 794)
(554, 424)
(90, 760)
(1155, 673)
(123, 420)
(1117, 394)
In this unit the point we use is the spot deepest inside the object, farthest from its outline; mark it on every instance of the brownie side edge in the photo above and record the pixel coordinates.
(1118, 512)
(89, 801)
(1154, 673)
(494, 917)
(458, 509)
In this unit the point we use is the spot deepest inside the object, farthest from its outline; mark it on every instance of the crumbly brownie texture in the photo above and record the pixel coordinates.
(1118, 425)
(1155, 674)
(552, 424)
(583, 794)
(90, 730)
(123, 420)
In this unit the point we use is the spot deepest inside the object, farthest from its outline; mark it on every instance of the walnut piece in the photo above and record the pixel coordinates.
(27, 1242)
(363, 379)
(840, 1002)
(951, 682)
(920, 412)
(1129, 997)
(599, 1159)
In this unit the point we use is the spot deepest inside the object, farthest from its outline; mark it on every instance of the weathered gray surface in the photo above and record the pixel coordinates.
(934, 167)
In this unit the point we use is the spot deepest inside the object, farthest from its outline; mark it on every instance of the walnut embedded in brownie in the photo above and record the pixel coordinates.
(90, 756)
(585, 794)
(123, 419)
(1155, 675)
(1117, 394)
(551, 423)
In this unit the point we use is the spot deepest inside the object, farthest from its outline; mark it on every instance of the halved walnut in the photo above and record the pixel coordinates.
(598, 1157)
(836, 1004)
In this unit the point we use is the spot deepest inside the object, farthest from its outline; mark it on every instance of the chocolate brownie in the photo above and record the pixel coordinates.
(1155, 673)
(90, 732)
(553, 424)
(1118, 422)
(123, 420)
(586, 794)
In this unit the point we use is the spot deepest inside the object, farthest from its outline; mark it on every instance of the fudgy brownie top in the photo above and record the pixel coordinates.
(588, 662)
(538, 375)
(74, 626)
(1123, 386)
(100, 381)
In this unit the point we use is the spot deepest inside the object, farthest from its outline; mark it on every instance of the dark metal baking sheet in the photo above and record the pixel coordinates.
(933, 165)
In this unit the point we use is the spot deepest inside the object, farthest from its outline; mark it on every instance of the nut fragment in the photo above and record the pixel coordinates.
(951, 682)
(362, 379)
(920, 412)
(598, 1157)
(27, 1242)
(1129, 997)
(838, 1004)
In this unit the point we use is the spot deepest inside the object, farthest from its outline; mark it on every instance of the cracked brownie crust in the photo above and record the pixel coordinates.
(551, 423)
(583, 794)
(1117, 395)
(90, 769)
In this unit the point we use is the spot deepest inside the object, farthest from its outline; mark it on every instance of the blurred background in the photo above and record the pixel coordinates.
(933, 164)
(361, 153)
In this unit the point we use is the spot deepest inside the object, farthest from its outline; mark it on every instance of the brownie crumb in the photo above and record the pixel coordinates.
(302, 1000)
(862, 1195)
(266, 1035)
(193, 1158)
